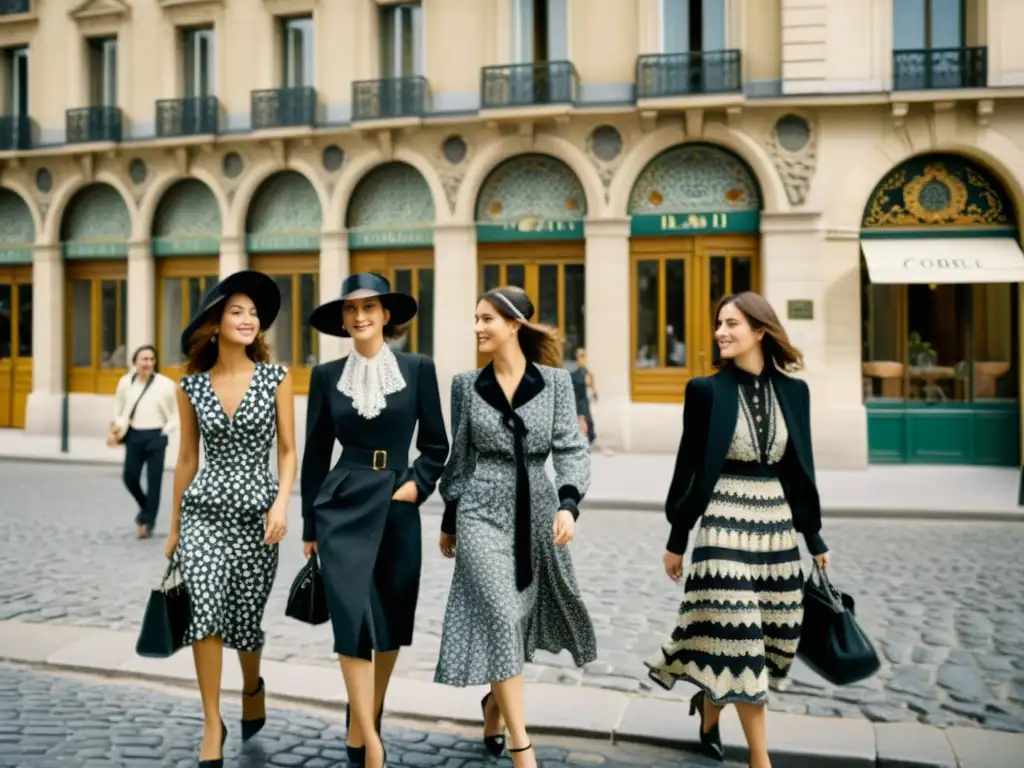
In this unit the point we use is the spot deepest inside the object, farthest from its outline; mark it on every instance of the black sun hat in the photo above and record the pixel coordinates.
(327, 318)
(257, 286)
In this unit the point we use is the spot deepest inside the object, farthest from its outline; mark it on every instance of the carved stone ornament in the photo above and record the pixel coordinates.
(792, 143)
(605, 146)
(100, 9)
(451, 174)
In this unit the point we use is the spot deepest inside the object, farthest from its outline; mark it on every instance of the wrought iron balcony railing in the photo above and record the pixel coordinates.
(390, 98)
(521, 85)
(190, 116)
(15, 132)
(93, 124)
(11, 7)
(283, 107)
(662, 75)
(940, 68)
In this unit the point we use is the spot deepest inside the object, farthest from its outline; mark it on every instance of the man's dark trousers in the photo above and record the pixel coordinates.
(145, 449)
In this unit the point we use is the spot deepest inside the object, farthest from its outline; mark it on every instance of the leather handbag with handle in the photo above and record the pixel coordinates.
(306, 599)
(167, 616)
(832, 643)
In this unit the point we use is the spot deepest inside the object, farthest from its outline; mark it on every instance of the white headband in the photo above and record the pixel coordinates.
(511, 306)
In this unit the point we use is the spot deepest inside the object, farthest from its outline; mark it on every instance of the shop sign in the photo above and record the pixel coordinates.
(186, 245)
(371, 239)
(302, 243)
(532, 228)
(800, 309)
(95, 250)
(16, 256)
(676, 224)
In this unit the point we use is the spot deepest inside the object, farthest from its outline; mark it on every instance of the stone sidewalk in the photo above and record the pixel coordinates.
(638, 481)
(795, 740)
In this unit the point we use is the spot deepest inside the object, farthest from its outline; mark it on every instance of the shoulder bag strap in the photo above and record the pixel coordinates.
(149, 383)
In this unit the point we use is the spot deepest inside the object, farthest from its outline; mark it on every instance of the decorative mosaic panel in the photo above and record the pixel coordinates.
(16, 227)
(531, 186)
(695, 178)
(285, 203)
(392, 196)
(96, 213)
(187, 208)
(939, 191)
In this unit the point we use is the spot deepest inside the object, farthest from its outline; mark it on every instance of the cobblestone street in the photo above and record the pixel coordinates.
(943, 601)
(53, 720)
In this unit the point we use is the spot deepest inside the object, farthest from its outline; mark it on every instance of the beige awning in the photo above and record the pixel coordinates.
(900, 261)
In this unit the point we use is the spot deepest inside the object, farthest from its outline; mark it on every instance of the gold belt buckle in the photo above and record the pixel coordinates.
(383, 455)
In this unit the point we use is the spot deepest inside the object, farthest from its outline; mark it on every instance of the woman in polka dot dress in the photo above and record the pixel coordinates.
(514, 589)
(228, 517)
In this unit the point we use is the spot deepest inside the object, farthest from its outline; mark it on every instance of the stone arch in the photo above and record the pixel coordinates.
(96, 216)
(530, 185)
(154, 198)
(17, 226)
(286, 203)
(69, 189)
(766, 178)
(392, 195)
(236, 222)
(493, 155)
(694, 178)
(357, 169)
(187, 220)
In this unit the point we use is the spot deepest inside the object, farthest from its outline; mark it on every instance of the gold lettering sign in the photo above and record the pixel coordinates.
(537, 224)
(685, 222)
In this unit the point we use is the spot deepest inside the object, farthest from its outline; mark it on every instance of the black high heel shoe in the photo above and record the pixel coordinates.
(527, 748)
(219, 762)
(251, 727)
(495, 743)
(710, 742)
(357, 755)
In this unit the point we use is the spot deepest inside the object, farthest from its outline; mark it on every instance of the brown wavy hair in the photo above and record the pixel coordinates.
(541, 344)
(202, 349)
(759, 313)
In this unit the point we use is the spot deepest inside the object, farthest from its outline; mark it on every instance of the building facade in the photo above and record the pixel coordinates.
(628, 162)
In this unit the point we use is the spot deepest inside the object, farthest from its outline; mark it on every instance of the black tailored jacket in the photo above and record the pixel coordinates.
(709, 422)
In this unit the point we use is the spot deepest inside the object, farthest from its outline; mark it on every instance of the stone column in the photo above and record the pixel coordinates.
(608, 309)
(233, 256)
(455, 294)
(334, 268)
(141, 296)
(48, 356)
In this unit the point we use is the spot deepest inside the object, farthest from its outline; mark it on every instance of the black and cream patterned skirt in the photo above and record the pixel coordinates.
(739, 622)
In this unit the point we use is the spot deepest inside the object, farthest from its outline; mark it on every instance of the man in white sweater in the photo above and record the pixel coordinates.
(146, 412)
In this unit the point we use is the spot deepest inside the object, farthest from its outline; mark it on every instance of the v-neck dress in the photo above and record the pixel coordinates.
(495, 481)
(225, 564)
(739, 622)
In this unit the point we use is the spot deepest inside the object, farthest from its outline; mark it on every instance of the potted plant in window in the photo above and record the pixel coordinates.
(921, 353)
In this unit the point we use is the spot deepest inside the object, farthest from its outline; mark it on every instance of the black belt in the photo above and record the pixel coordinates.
(499, 456)
(370, 458)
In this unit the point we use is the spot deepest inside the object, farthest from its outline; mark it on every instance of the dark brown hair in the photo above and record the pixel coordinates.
(202, 349)
(541, 344)
(759, 313)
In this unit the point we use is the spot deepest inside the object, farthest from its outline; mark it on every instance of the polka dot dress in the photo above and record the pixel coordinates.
(225, 564)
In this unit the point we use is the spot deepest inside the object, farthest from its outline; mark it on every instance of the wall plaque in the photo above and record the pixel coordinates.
(800, 309)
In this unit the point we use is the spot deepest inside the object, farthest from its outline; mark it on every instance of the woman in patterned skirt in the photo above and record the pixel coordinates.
(227, 518)
(744, 464)
(514, 589)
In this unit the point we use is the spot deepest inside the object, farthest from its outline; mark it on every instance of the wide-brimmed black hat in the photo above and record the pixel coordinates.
(327, 318)
(257, 286)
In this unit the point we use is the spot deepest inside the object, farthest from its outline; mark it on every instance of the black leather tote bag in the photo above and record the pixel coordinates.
(306, 599)
(167, 617)
(831, 641)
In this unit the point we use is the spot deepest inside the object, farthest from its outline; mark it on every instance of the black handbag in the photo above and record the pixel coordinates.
(306, 599)
(831, 641)
(167, 617)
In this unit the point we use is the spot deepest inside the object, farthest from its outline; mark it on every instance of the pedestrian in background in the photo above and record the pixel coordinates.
(583, 386)
(514, 589)
(145, 413)
(362, 517)
(746, 468)
(229, 515)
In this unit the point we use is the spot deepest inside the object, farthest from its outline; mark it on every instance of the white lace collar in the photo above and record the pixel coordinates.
(369, 380)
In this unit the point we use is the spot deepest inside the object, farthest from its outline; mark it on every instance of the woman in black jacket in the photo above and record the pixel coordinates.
(745, 465)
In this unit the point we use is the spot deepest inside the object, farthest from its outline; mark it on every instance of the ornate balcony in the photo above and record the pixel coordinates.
(390, 98)
(940, 68)
(11, 7)
(191, 116)
(15, 133)
(663, 75)
(93, 124)
(522, 85)
(283, 107)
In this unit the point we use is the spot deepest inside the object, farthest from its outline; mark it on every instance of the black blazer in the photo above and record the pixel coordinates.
(709, 421)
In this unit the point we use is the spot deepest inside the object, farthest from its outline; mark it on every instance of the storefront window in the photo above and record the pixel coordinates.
(97, 325)
(182, 284)
(81, 323)
(661, 313)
